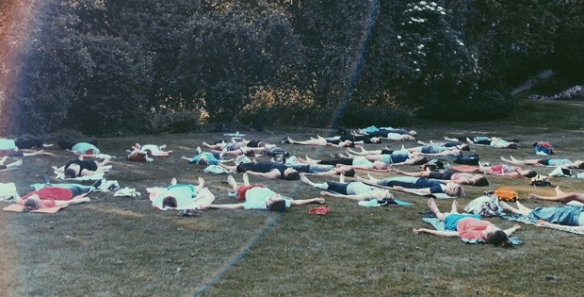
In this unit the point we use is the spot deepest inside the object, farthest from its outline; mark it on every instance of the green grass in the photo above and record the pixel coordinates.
(116, 246)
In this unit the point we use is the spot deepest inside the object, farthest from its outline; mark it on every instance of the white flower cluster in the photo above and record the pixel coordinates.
(423, 5)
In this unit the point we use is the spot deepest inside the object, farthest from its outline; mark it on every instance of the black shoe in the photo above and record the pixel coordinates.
(284, 141)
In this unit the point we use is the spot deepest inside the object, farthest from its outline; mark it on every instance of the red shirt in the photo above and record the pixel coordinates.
(52, 193)
(470, 228)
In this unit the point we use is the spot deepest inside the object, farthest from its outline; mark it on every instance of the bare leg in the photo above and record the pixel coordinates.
(14, 164)
(307, 201)
(231, 181)
(230, 168)
(560, 197)
(33, 154)
(3, 160)
(359, 178)
(512, 209)
(522, 207)
(304, 179)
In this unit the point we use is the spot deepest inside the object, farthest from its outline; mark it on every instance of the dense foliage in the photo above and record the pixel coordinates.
(103, 65)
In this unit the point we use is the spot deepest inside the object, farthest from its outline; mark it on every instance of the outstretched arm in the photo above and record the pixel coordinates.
(436, 232)
(225, 206)
(512, 229)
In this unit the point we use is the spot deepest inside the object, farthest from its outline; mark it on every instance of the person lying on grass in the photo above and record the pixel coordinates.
(20, 144)
(484, 140)
(354, 190)
(56, 196)
(560, 196)
(205, 158)
(180, 196)
(495, 142)
(386, 133)
(564, 163)
(500, 170)
(86, 149)
(80, 167)
(11, 165)
(146, 152)
(337, 141)
(393, 157)
(352, 163)
(461, 178)
(322, 142)
(457, 144)
(415, 185)
(11, 148)
(272, 170)
(468, 226)
(259, 197)
(438, 150)
(317, 169)
(565, 216)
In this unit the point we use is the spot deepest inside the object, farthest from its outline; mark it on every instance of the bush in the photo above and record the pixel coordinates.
(358, 116)
(176, 122)
(489, 105)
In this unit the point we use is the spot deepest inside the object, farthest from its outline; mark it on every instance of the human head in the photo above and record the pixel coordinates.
(90, 151)
(276, 203)
(169, 201)
(70, 173)
(454, 190)
(203, 161)
(32, 203)
(291, 174)
(464, 147)
(479, 181)
(498, 238)
(413, 133)
(528, 173)
(579, 164)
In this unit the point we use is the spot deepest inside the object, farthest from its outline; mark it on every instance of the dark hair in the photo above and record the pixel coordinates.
(531, 173)
(30, 205)
(278, 206)
(421, 161)
(202, 162)
(292, 176)
(581, 166)
(70, 173)
(499, 238)
(350, 172)
(465, 147)
(169, 201)
(481, 182)
(250, 153)
(218, 141)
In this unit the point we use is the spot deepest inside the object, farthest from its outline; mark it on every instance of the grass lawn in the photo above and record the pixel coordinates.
(119, 246)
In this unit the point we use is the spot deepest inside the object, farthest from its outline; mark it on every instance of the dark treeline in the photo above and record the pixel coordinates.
(154, 65)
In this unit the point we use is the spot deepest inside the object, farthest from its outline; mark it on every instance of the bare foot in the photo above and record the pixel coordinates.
(320, 200)
(201, 182)
(231, 181)
(173, 181)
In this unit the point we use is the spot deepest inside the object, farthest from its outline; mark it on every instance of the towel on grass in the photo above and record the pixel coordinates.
(439, 225)
(532, 221)
(18, 208)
